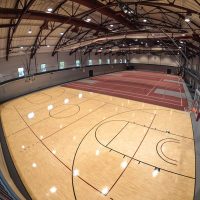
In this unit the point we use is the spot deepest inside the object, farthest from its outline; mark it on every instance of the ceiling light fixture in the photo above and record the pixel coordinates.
(144, 20)
(87, 20)
(50, 10)
(187, 19)
(29, 31)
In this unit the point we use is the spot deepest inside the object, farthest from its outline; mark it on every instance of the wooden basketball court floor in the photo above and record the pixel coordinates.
(70, 144)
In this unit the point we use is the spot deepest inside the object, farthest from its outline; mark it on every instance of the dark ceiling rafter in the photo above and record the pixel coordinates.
(6, 25)
(81, 34)
(98, 7)
(180, 16)
(170, 14)
(198, 3)
(35, 45)
(82, 15)
(105, 10)
(6, 13)
(164, 7)
(12, 30)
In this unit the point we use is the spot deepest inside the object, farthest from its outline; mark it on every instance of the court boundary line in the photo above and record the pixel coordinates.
(134, 159)
(42, 142)
(98, 124)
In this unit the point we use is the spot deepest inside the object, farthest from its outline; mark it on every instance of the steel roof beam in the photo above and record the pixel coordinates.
(11, 32)
(7, 13)
(105, 10)
(6, 25)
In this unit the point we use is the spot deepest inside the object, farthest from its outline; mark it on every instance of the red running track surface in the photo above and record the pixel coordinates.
(136, 85)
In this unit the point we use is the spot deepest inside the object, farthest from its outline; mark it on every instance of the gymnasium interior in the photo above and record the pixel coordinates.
(99, 99)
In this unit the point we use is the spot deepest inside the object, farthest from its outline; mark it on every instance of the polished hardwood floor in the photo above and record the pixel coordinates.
(70, 144)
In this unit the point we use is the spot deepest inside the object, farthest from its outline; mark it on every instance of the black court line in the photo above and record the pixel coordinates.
(55, 101)
(76, 112)
(58, 88)
(73, 121)
(43, 93)
(100, 143)
(161, 148)
(55, 107)
(161, 155)
(118, 133)
(137, 159)
(42, 142)
(132, 158)
(37, 121)
(140, 161)
(50, 98)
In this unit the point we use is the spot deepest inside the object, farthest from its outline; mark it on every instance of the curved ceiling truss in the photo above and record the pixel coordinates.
(73, 25)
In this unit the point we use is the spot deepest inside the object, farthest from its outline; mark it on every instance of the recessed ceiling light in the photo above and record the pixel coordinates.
(187, 19)
(29, 31)
(50, 9)
(144, 20)
(87, 20)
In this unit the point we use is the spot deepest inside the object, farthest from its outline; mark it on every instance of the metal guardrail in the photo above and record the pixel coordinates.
(5, 190)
